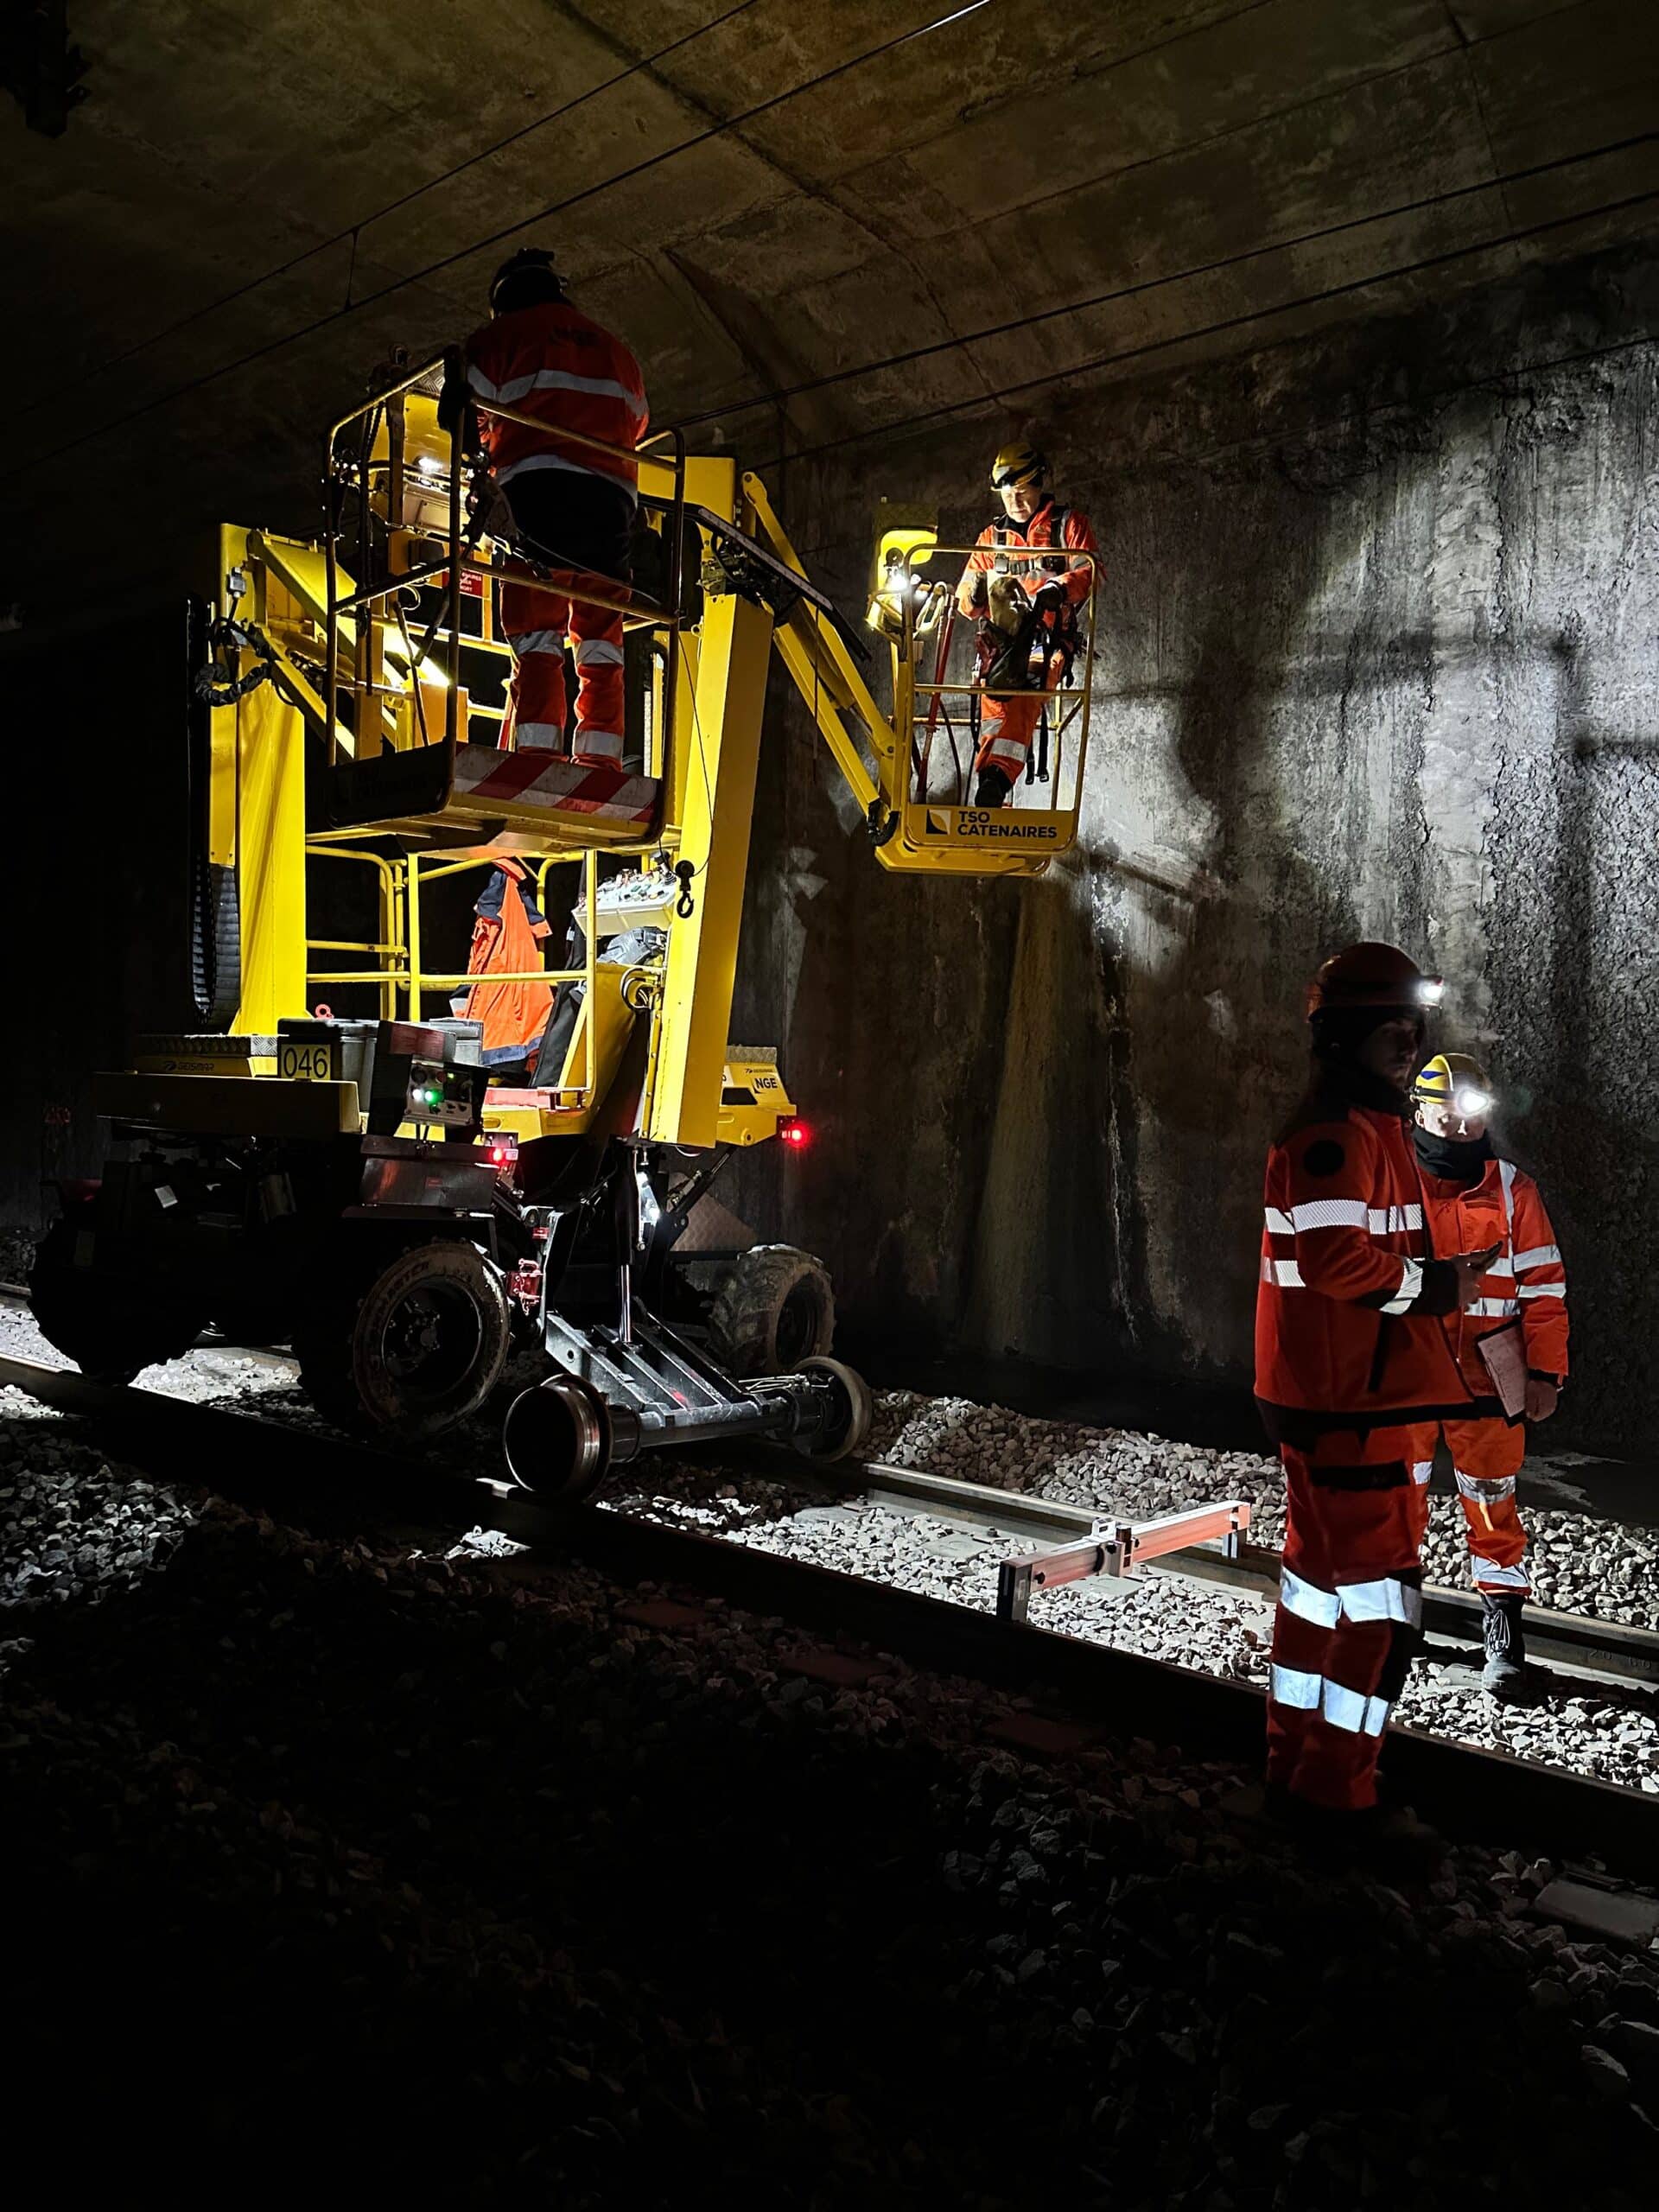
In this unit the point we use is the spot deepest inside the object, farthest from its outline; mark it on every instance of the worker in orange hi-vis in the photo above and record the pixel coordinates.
(1353, 1370)
(1472, 1196)
(572, 503)
(1025, 586)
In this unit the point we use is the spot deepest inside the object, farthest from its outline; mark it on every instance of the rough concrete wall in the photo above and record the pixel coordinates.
(1376, 638)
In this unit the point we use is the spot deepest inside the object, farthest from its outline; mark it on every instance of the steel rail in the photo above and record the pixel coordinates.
(1612, 1648)
(1487, 1795)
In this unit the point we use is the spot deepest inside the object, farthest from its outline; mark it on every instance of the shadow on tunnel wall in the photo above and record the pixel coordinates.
(1378, 678)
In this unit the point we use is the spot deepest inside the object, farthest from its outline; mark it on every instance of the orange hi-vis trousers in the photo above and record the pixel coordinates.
(1008, 724)
(534, 624)
(1350, 1616)
(1486, 1457)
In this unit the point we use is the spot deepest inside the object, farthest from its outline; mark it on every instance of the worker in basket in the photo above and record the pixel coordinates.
(572, 505)
(1353, 1372)
(1026, 594)
(1510, 1343)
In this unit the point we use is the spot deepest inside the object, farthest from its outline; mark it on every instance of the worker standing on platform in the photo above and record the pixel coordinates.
(1353, 1370)
(1027, 610)
(573, 504)
(1473, 1197)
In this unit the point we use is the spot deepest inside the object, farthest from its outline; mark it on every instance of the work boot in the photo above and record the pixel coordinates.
(1505, 1676)
(1381, 1839)
(993, 788)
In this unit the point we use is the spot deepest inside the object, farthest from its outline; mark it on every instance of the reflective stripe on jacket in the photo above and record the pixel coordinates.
(551, 361)
(1347, 1327)
(1527, 1280)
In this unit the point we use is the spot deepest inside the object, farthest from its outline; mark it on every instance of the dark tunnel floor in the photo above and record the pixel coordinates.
(338, 1863)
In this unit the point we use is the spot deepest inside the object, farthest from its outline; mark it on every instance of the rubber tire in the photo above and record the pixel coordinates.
(748, 1307)
(338, 1347)
(112, 1329)
(861, 1410)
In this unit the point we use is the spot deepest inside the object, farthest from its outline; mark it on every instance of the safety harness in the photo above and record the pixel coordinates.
(1020, 659)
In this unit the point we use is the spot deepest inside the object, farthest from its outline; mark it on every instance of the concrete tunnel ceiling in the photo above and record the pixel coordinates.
(1132, 183)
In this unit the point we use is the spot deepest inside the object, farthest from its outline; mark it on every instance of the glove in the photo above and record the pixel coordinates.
(1543, 1393)
(1050, 600)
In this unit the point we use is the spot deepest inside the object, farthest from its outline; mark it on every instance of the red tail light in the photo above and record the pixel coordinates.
(794, 1132)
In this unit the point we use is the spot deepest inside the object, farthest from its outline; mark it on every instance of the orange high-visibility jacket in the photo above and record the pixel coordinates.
(1347, 1328)
(1001, 545)
(552, 362)
(1526, 1280)
(507, 935)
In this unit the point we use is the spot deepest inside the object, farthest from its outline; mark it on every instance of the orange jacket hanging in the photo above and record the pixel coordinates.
(1527, 1280)
(507, 938)
(1348, 1333)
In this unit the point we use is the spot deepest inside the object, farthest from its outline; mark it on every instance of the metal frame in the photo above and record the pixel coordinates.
(1118, 1547)
(400, 949)
(456, 561)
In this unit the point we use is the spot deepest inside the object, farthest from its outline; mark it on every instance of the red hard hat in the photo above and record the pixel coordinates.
(1371, 975)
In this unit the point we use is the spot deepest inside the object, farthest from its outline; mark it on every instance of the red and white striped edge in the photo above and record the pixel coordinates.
(487, 780)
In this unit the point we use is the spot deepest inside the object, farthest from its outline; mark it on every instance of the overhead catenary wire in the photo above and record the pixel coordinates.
(923, 417)
(781, 395)
(640, 167)
(352, 230)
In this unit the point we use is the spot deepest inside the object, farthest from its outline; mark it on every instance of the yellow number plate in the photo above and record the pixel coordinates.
(306, 1063)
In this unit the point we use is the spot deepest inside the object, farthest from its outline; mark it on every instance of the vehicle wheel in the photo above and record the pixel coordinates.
(412, 1347)
(773, 1307)
(849, 1429)
(112, 1328)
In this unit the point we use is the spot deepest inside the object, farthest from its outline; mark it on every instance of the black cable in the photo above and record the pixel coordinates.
(1214, 329)
(416, 192)
(464, 253)
(1155, 283)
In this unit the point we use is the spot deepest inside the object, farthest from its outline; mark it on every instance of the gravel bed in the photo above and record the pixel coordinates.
(1578, 1564)
(1608, 1734)
(69, 1530)
(341, 1861)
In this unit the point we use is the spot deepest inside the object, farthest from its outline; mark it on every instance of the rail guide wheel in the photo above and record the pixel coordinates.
(852, 1412)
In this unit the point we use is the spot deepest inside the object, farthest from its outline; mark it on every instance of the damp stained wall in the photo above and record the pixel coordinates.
(1378, 638)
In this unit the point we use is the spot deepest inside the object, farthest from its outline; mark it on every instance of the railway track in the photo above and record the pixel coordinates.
(332, 1483)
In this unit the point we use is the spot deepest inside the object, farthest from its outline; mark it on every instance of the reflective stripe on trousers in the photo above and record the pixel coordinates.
(1486, 1458)
(1349, 1612)
(534, 624)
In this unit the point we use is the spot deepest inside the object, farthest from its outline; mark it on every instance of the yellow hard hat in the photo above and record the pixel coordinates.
(1020, 463)
(1456, 1080)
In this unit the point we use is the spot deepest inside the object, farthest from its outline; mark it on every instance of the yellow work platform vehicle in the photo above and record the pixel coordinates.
(359, 1184)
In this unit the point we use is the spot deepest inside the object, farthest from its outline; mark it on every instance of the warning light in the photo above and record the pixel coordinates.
(501, 1155)
(793, 1133)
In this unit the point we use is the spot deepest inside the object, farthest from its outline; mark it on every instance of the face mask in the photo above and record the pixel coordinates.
(1459, 1160)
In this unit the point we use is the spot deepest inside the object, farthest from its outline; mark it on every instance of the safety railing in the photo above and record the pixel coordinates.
(377, 605)
(916, 609)
(399, 974)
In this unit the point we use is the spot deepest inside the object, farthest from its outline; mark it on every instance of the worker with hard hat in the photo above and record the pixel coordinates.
(1353, 1370)
(1472, 1196)
(572, 503)
(1024, 586)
